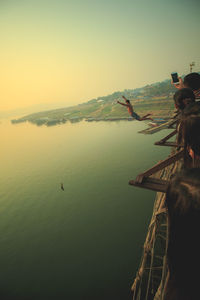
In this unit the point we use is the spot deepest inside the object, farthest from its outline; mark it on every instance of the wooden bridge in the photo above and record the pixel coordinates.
(151, 277)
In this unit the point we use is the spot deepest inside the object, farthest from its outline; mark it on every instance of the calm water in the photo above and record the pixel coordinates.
(84, 242)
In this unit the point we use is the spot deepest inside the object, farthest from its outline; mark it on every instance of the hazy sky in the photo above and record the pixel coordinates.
(70, 51)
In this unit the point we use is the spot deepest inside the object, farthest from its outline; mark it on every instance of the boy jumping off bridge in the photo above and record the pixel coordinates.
(132, 113)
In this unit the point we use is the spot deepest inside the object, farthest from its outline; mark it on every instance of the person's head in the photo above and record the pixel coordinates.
(189, 132)
(192, 81)
(183, 97)
(183, 194)
(183, 204)
(127, 101)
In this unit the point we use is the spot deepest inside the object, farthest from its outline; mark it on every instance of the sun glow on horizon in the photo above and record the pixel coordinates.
(64, 51)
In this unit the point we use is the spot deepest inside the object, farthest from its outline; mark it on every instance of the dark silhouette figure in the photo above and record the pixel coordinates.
(183, 203)
(191, 81)
(189, 136)
(62, 187)
(183, 98)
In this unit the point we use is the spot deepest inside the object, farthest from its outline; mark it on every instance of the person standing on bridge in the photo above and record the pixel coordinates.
(183, 207)
(131, 111)
(182, 98)
(191, 81)
(189, 136)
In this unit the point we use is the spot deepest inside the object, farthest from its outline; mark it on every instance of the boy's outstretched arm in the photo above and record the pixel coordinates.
(124, 98)
(122, 103)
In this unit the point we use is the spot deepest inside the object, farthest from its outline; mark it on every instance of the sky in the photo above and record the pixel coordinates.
(65, 52)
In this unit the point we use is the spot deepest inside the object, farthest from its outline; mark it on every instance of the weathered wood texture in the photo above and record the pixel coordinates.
(168, 124)
(151, 276)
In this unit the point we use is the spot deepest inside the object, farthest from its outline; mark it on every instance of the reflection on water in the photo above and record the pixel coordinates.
(84, 242)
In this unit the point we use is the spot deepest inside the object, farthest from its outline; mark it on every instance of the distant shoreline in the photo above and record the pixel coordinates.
(156, 99)
(54, 122)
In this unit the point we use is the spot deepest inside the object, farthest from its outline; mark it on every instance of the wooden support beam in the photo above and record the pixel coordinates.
(169, 144)
(162, 141)
(159, 166)
(155, 129)
(172, 124)
(153, 184)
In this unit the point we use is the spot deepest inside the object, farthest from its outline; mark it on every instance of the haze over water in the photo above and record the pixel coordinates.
(84, 242)
(57, 53)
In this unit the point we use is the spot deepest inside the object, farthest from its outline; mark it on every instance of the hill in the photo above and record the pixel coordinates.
(155, 98)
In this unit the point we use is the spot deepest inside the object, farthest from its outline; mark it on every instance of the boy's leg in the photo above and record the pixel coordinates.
(135, 116)
(138, 118)
(145, 118)
(146, 115)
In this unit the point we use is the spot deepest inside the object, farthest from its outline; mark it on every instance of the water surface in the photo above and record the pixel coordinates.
(84, 242)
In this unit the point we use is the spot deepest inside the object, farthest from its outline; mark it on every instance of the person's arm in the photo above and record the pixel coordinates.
(122, 103)
(124, 98)
(178, 85)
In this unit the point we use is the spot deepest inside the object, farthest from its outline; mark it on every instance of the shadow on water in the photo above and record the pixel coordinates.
(101, 294)
(10, 296)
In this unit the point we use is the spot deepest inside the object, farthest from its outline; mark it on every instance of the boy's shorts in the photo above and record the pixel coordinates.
(136, 116)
